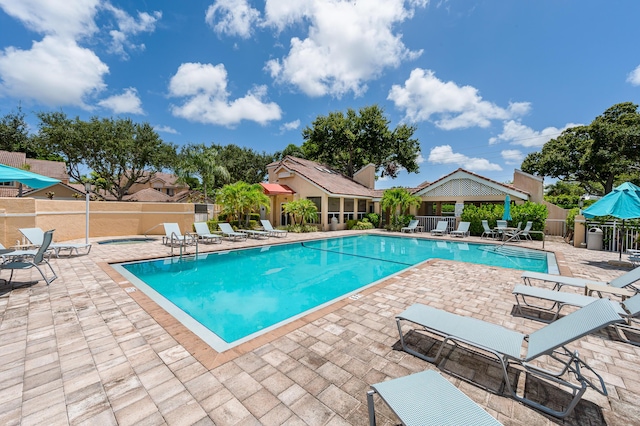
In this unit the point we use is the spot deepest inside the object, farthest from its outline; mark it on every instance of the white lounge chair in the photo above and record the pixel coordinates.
(174, 237)
(488, 232)
(462, 231)
(37, 260)
(628, 309)
(622, 285)
(228, 232)
(441, 228)
(525, 232)
(266, 224)
(506, 345)
(36, 237)
(427, 398)
(204, 233)
(252, 233)
(412, 227)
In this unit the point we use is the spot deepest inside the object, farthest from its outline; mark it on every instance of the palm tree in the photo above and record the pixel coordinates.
(201, 161)
(305, 210)
(398, 200)
(241, 198)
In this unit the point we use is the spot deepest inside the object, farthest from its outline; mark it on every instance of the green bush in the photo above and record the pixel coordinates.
(536, 213)
(362, 225)
(299, 229)
(351, 223)
(374, 218)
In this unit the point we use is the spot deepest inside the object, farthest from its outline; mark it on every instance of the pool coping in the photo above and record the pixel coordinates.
(211, 358)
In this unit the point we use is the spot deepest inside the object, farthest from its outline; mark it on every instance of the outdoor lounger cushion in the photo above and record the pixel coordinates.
(441, 228)
(273, 231)
(507, 345)
(629, 309)
(227, 231)
(203, 233)
(412, 227)
(428, 399)
(625, 280)
(36, 236)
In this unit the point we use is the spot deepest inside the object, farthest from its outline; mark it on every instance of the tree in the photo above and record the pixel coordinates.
(598, 155)
(291, 149)
(243, 164)
(14, 135)
(241, 198)
(203, 162)
(120, 152)
(304, 210)
(349, 142)
(398, 200)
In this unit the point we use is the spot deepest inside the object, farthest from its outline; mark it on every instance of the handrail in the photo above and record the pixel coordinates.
(183, 241)
(152, 228)
(517, 235)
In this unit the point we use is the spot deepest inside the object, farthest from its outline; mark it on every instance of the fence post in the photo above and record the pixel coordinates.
(579, 231)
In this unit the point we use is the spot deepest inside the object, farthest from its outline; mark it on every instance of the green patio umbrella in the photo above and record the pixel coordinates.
(507, 208)
(622, 203)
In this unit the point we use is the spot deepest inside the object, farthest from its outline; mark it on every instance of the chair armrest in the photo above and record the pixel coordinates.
(624, 293)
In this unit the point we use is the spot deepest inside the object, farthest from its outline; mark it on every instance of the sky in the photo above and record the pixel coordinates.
(484, 82)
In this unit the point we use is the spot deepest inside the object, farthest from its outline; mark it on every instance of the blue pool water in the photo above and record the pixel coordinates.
(236, 294)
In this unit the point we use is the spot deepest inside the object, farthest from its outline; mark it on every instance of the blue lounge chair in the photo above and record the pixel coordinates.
(204, 233)
(441, 228)
(506, 345)
(228, 232)
(37, 260)
(412, 227)
(462, 231)
(428, 399)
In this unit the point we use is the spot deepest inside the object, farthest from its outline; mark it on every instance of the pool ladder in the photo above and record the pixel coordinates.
(183, 242)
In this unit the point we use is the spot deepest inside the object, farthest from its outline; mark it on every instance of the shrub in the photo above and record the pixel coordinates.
(536, 213)
(364, 224)
(374, 218)
(299, 229)
(351, 223)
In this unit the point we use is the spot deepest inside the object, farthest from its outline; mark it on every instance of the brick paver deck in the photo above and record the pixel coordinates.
(88, 350)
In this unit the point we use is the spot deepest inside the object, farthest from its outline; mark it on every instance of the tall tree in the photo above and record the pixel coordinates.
(120, 152)
(596, 156)
(349, 142)
(202, 162)
(243, 164)
(241, 198)
(398, 200)
(14, 134)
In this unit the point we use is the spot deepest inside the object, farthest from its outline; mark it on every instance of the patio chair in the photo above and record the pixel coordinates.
(427, 398)
(228, 232)
(36, 237)
(462, 231)
(252, 233)
(622, 285)
(174, 237)
(488, 232)
(266, 224)
(506, 345)
(37, 260)
(629, 309)
(441, 228)
(525, 232)
(412, 227)
(204, 233)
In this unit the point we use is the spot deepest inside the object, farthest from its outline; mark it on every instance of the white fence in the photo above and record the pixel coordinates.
(610, 240)
(430, 222)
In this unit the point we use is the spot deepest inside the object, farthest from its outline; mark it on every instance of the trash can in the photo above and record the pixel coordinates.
(334, 224)
(594, 239)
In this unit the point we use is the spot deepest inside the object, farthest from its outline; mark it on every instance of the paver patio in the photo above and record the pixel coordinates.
(90, 350)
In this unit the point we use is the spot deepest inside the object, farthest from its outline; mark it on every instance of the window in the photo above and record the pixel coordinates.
(318, 202)
(334, 209)
(348, 209)
(362, 208)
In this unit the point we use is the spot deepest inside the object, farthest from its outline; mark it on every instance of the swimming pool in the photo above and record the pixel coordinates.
(229, 297)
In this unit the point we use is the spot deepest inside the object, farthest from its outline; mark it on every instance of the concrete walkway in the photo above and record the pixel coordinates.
(89, 349)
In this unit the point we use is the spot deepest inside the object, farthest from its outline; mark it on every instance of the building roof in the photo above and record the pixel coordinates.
(322, 176)
(13, 159)
(457, 174)
(276, 189)
(148, 195)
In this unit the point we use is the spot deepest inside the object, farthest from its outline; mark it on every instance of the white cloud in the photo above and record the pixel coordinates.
(55, 72)
(232, 17)
(424, 95)
(128, 26)
(207, 100)
(292, 125)
(127, 102)
(165, 129)
(348, 43)
(64, 18)
(512, 156)
(444, 154)
(634, 77)
(517, 133)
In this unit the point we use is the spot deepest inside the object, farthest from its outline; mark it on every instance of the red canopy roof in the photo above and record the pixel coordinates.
(275, 189)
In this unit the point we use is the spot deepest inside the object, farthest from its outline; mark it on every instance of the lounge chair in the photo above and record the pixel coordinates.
(412, 227)
(36, 237)
(525, 232)
(501, 228)
(462, 231)
(427, 398)
(622, 285)
(174, 237)
(228, 232)
(629, 309)
(252, 233)
(441, 228)
(266, 224)
(506, 345)
(488, 232)
(37, 260)
(204, 233)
